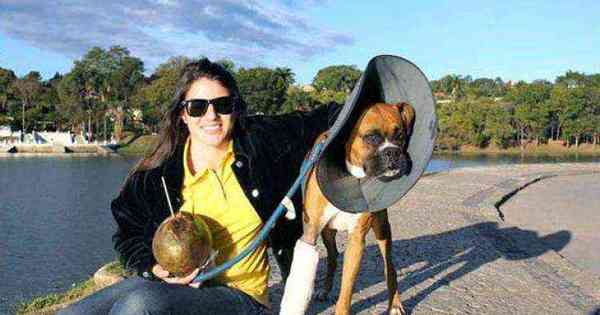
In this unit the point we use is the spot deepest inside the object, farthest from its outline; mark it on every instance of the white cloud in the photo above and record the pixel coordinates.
(245, 31)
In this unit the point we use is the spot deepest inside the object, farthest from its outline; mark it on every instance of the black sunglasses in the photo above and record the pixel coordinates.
(198, 107)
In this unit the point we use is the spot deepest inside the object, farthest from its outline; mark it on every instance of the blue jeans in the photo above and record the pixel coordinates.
(139, 296)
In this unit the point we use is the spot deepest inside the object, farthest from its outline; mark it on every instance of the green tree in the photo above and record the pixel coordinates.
(463, 122)
(264, 89)
(71, 100)
(339, 78)
(573, 79)
(498, 127)
(156, 97)
(7, 77)
(105, 81)
(482, 87)
(297, 99)
(28, 90)
(228, 64)
(532, 113)
(567, 104)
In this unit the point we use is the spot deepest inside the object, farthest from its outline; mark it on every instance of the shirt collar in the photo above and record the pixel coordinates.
(188, 177)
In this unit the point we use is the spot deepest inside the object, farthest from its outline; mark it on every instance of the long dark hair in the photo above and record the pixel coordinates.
(174, 132)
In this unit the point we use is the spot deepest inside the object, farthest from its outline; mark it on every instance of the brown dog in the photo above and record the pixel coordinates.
(377, 147)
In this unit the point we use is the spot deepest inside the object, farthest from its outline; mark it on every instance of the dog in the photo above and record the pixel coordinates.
(377, 147)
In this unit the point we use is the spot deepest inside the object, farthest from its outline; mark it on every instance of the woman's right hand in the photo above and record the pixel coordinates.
(160, 272)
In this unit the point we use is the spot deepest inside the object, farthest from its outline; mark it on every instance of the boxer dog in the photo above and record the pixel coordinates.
(376, 147)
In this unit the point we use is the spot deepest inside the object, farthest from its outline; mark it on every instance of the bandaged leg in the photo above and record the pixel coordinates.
(301, 281)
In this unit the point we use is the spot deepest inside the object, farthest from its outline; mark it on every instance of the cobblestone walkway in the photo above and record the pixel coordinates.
(456, 256)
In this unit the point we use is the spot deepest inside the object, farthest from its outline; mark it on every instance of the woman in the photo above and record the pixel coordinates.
(229, 168)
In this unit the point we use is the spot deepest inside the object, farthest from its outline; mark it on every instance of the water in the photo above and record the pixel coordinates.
(442, 162)
(56, 225)
(55, 222)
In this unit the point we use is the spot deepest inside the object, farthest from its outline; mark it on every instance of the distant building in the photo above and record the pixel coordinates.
(307, 88)
(5, 131)
(439, 95)
(572, 84)
(137, 115)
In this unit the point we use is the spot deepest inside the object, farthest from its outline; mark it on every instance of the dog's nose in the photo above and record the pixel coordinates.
(391, 156)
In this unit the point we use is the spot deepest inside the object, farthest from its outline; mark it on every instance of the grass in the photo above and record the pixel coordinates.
(138, 145)
(530, 150)
(44, 303)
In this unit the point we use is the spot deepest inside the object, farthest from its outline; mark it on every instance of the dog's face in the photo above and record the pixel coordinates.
(378, 144)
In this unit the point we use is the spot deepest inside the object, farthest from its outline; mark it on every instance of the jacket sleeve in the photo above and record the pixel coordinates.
(133, 238)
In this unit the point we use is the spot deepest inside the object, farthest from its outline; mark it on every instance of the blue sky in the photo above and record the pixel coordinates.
(515, 40)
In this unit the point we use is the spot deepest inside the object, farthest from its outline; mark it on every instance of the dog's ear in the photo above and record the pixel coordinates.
(407, 113)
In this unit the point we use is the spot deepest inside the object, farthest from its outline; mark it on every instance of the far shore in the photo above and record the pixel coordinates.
(530, 150)
(144, 144)
(141, 145)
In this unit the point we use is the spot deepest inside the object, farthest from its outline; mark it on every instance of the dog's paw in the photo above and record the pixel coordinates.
(397, 310)
(321, 295)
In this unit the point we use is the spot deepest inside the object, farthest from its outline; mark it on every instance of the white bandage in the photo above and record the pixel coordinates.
(301, 281)
(290, 214)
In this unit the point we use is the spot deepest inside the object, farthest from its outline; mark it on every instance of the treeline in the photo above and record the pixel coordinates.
(486, 112)
(106, 93)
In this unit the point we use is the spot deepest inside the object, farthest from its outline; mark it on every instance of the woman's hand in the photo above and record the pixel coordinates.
(160, 272)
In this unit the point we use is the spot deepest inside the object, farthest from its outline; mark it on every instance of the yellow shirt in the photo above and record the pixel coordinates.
(218, 198)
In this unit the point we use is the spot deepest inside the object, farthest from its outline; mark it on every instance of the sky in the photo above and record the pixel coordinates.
(514, 40)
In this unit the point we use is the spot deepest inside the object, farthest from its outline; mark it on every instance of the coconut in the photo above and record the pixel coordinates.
(181, 244)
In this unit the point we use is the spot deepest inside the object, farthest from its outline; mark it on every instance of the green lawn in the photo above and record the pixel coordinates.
(47, 302)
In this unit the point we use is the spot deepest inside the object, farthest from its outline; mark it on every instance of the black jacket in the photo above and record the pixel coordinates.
(268, 153)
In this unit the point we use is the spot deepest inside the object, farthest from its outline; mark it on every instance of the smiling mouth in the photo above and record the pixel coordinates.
(212, 128)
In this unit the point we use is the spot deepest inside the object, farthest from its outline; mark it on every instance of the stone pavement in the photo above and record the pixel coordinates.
(571, 203)
(456, 256)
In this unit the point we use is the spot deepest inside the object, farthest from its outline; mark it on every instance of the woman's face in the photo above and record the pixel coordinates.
(210, 129)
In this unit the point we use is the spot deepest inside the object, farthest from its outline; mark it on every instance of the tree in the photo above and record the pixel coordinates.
(155, 98)
(228, 64)
(339, 78)
(482, 87)
(51, 99)
(486, 87)
(297, 99)
(463, 121)
(532, 113)
(573, 79)
(7, 77)
(105, 81)
(567, 105)
(27, 89)
(70, 94)
(264, 89)
(498, 127)
(594, 101)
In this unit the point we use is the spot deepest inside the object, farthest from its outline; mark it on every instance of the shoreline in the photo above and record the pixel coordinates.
(141, 144)
(137, 151)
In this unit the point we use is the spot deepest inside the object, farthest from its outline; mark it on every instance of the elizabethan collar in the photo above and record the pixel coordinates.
(387, 79)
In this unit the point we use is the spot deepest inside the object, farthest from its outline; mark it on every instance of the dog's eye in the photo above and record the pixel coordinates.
(373, 139)
(399, 137)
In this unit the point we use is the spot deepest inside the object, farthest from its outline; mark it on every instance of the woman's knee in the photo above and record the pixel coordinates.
(145, 300)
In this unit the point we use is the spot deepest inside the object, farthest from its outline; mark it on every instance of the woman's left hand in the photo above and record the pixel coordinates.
(186, 280)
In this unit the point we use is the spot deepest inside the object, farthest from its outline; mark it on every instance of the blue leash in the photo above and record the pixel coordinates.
(306, 166)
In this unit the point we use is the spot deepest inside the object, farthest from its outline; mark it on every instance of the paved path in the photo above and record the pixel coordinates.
(457, 257)
(569, 203)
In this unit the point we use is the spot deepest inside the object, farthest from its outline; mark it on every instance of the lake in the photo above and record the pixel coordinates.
(56, 225)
